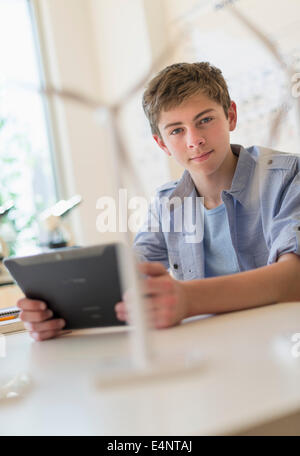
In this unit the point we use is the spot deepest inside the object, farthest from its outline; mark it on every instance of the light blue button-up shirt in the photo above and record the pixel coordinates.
(263, 210)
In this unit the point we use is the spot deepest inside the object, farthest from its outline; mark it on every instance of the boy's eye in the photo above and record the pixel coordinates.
(205, 120)
(176, 131)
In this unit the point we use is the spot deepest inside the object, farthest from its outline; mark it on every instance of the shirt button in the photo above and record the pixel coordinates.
(270, 162)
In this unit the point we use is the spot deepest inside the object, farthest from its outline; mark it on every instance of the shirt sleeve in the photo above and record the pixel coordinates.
(284, 232)
(149, 243)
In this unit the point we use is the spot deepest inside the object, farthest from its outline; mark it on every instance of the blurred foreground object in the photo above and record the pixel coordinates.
(57, 232)
(5, 277)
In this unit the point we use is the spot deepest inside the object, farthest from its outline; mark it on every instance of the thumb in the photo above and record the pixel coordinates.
(152, 269)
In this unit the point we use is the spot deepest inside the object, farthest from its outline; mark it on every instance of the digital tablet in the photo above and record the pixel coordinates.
(80, 285)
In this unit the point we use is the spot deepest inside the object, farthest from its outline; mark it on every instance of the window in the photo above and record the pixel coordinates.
(26, 168)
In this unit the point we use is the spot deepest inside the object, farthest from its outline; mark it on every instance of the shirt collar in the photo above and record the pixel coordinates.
(244, 172)
(241, 180)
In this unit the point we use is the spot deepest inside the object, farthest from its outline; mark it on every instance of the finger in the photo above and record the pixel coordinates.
(121, 311)
(158, 285)
(49, 325)
(44, 335)
(161, 318)
(31, 304)
(149, 285)
(122, 316)
(36, 316)
(163, 323)
(151, 304)
(120, 306)
(128, 295)
(161, 301)
(153, 320)
(153, 316)
(152, 269)
(161, 311)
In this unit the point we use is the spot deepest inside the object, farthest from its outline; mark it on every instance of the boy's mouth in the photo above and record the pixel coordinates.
(201, 157)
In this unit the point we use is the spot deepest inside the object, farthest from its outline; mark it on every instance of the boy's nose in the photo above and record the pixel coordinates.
(195, 140)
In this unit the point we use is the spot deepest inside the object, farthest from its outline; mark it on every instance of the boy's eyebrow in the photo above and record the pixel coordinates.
(202, 112)
(195, 118)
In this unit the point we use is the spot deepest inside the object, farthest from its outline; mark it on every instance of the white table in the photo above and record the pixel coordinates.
(247, 379)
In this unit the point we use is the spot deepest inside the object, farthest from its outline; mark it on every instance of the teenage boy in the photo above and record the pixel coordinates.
(247, 246)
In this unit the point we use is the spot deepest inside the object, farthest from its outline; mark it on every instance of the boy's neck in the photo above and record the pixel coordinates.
(211, 186)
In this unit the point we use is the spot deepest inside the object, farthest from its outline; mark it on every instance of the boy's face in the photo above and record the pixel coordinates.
(196, 133)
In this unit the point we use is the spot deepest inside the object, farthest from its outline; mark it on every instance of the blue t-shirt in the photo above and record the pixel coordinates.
(219, 255)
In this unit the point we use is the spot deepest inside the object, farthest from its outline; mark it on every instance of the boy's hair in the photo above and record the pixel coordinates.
(178, 82)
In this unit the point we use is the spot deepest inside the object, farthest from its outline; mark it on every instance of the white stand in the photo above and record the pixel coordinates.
(143, 365)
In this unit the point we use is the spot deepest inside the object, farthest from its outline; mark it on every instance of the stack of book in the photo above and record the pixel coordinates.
(9, 321)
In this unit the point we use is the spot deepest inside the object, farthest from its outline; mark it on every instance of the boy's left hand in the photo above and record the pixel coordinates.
(165, 301)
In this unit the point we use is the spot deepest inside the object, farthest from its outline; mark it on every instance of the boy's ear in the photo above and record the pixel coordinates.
(232, 116)
(162, 145)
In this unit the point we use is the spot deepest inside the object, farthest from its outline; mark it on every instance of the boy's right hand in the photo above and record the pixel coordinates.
(38, 319)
